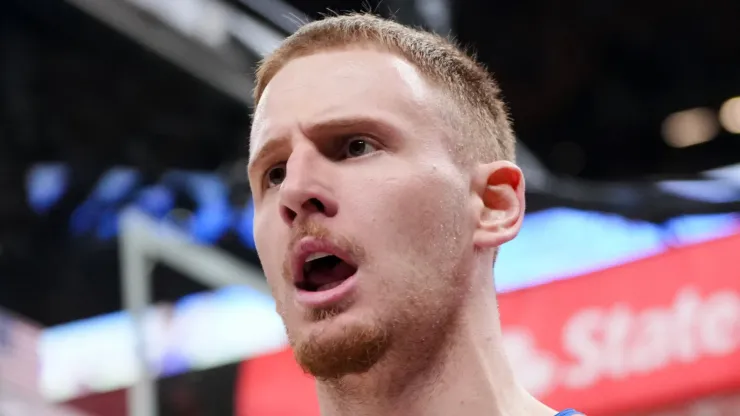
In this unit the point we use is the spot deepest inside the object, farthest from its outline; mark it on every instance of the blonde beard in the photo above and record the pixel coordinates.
(407, 343)
(355, 351)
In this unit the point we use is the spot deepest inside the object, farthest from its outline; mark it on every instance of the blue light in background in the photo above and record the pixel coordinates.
(691, 229)
(192, 302)
(213, 213)
(46, 185)
(107, 227)
(112, 188)
(156, 201)
(210, 223)
(200, 331)
(245, 225)
(563, 242)
(115, 184)
(714, 191)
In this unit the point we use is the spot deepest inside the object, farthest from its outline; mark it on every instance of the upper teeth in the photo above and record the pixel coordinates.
(317, 255)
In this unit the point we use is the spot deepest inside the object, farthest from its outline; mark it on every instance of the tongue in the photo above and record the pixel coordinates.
(324, 278)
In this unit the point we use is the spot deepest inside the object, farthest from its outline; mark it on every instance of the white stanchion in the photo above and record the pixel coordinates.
(145, 242)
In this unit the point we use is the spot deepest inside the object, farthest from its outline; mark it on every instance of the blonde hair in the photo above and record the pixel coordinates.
(481, 112)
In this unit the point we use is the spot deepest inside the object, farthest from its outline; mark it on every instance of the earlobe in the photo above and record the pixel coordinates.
(500, 188)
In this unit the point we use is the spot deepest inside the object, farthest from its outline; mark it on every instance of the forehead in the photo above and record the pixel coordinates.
(338, 84)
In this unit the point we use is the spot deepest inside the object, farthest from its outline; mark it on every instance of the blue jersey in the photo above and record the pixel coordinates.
(569, 412)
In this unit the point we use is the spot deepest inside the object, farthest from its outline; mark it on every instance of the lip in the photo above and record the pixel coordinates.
(326, 298)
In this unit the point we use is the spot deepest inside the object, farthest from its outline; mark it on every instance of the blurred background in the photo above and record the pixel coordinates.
(129, 284)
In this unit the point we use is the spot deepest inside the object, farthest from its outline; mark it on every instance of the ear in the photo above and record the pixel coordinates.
(500, 189)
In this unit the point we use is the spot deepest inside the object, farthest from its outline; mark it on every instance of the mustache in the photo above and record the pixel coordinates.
(318, 231)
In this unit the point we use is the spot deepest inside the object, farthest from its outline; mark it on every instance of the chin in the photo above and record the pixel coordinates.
(350, 342)
(332, 324)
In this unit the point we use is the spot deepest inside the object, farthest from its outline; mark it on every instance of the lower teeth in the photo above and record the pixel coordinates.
(329, 286)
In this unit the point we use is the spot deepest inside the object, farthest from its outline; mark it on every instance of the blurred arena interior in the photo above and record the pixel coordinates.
(628, 117)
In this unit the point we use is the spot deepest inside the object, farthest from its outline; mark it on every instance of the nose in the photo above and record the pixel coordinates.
(306, 191)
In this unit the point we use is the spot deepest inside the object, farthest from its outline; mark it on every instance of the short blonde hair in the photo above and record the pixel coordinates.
(482, 112)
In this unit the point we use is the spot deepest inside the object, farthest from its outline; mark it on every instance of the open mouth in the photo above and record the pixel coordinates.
(324, 271)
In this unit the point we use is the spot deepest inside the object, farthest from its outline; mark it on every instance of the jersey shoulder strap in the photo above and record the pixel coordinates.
(569, 412)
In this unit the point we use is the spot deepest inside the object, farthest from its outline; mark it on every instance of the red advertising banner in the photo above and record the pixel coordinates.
(708, 406)
(649, 334)
(656, 331)
(274, 385)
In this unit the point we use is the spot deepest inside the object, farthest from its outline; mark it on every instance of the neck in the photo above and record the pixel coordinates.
(470, 376)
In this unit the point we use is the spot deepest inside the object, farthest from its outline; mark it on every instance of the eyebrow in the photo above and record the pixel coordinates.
(358, 124)
(325, 128)
(272, 146)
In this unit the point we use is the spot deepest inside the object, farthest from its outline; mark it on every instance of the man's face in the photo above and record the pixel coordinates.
(351, 156)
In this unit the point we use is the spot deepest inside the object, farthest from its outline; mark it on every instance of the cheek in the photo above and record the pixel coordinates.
(423, 211)
(432, 220)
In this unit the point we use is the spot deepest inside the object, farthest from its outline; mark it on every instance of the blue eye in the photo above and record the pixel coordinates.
(359, 147)
(275, 175)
